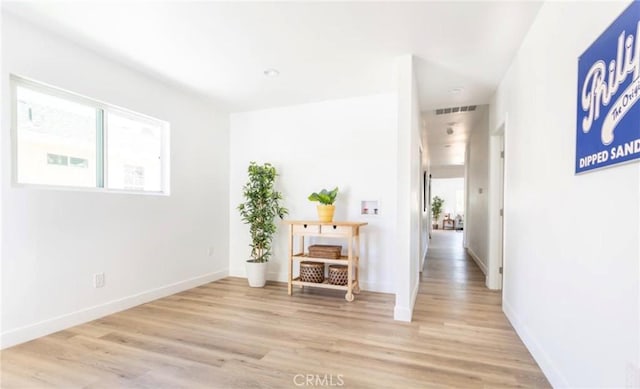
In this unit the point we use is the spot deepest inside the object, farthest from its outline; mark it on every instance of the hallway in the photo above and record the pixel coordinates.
(462, 319)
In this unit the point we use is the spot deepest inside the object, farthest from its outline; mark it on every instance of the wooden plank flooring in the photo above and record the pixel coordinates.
(227, 335)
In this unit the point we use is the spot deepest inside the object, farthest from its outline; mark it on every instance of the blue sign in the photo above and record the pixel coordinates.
(608, 127)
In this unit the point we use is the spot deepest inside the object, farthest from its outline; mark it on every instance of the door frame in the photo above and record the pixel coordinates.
(498, 162)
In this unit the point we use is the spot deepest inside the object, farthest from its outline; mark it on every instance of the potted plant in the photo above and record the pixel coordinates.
(326, 199)
(436, 210)
(262, 205)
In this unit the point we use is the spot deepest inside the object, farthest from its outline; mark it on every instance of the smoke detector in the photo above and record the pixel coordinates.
(271, 73)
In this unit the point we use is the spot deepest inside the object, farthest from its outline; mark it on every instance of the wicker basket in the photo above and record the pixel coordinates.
(325, 251)
(338, 274)
(311, 272)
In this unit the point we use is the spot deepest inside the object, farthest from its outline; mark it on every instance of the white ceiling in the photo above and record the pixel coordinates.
(323, 50)
(445, 149)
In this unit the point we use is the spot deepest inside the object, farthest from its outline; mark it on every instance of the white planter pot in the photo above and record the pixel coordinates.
(257, 274)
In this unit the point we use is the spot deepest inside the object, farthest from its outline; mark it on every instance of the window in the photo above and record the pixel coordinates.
(133, 150)
(51, 130)
(70, 141)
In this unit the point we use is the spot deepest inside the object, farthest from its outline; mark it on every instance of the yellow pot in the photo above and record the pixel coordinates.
(325, 212)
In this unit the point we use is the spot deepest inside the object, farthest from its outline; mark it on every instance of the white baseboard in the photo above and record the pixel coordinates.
(279, 276)
(49, 326)
(401, 313)
(271, 275)
(477, 260)
(542, 358)
(377, 287)
(414, 293)
(276, 276)
(364, 285)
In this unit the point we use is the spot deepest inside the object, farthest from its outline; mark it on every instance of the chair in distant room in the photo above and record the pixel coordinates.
(459, 223)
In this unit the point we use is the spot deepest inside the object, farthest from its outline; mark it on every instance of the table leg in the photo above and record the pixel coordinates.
(349, 296)
(356, 289)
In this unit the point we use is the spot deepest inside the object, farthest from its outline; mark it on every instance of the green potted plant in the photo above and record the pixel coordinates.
(436, 210)
(326, 199)
(262, 205)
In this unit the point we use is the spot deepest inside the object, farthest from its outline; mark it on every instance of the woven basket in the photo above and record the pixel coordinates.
(325, 251)
(311, 272)
(338, 274)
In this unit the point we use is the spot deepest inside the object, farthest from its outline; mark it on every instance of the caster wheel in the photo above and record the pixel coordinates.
(349, 297)
(356, 290)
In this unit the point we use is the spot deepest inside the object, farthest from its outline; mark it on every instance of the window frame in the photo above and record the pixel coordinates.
(102, 109)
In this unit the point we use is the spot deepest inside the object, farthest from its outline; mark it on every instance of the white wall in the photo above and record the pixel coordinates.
(447, 189)
(409, 190)
(425, 217)
(571, 254)
(349, 143)
(148, 246)
(476, 220)
(2, 167)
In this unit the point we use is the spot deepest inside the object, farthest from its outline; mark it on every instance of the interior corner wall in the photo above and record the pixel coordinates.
(477, 217)
(571, 270)
(408, 189)
(425, 221)
(148, 246)
(2, 164)
(348, 143)
(465, 231)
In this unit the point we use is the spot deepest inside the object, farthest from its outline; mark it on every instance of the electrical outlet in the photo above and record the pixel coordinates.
(98, 280)
(633, 376)
(210, 251)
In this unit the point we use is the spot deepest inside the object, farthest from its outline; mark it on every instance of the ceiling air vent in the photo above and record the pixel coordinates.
(466, 108)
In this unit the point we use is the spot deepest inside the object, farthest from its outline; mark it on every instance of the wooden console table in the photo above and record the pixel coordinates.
(340, 230)
(450, 222)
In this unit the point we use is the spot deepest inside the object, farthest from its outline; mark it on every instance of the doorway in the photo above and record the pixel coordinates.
(450, 194)
(497, 215)
(501, 212)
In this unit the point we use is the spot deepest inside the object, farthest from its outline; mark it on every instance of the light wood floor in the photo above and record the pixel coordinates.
(227, 335)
